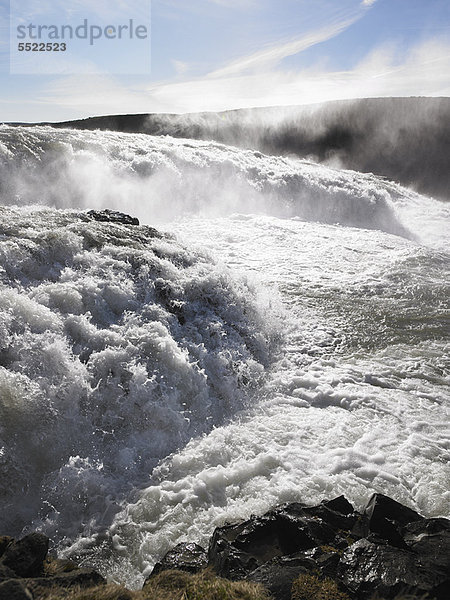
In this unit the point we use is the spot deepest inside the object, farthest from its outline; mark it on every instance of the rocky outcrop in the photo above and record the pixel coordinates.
(191, 558)
(297, 552)
(112, 216)
(237, 550)
(367, 568)
(26, 556)
(386, 550)
(26, 571)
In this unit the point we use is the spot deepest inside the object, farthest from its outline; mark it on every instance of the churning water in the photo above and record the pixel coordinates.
(282, 335)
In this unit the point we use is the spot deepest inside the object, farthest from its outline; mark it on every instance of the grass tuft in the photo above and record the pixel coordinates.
(176, 585)
(310, 587)
(170, 585)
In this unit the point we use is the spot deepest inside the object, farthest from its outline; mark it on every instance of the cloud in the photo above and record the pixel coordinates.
(180, 66)
(368, 2)
(94, 93)
(274, 54)
(235, 3)
(384, 72)
(104, 10)
(199, 4)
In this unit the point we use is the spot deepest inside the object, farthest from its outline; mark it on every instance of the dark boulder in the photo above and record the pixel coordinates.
(26, 572)
(6, 573)
(386, 519)
(5, 541)
(369, 570)
(191, 558)
(237, 550)
(112, 216)
(430, 539)
(337, 513)
(339, 505)
(326, 560)
(26, 556)
(227, 560)
(14, 589)
(278, 574)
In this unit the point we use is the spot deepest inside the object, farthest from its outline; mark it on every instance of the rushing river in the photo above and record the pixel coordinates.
(282, 334)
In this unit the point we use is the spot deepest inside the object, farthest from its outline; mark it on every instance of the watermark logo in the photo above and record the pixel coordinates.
(79, 37)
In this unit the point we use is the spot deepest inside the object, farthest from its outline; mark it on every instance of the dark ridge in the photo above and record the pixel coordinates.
(404, 139)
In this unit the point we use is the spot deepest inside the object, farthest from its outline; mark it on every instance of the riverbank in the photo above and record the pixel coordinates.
(293, 552)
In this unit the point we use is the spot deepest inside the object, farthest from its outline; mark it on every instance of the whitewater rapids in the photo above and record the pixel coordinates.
(285, 337)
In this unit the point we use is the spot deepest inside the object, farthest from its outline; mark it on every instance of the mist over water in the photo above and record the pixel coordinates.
(159, 179)
(281, 336)
(406, 140)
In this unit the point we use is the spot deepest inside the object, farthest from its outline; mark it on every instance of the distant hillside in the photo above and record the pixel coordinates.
(404, 139)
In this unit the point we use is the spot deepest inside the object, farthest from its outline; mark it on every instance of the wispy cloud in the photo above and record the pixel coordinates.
(235, 3)
(180, 66)
(368, 2)
(423, 71)
(270, 56)
(260, 79)
(102, 9)
(197, 4)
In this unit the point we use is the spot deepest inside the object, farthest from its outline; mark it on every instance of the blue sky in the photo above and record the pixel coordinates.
(222, 54)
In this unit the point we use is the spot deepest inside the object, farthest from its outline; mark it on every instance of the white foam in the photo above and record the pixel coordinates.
(160, 178)
(331, 419)
(114, 351)
(139, 376)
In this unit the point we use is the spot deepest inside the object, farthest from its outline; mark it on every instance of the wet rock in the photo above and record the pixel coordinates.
(339, 505)
(14, 589)
(26, 556)
(112, 216)
(278, 574)
(430, 539)
(225, 558)
(326, 560)
(387, 549)
(236, 550)
(191, 558)
(26, 572)
(386, 519)
(337, 513)
(6, 573)
(5, 541)
(369, 570)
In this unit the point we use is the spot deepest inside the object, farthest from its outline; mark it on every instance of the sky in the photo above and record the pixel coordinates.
(211, 55)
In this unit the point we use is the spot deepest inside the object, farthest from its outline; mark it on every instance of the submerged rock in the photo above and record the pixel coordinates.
(112, 216)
